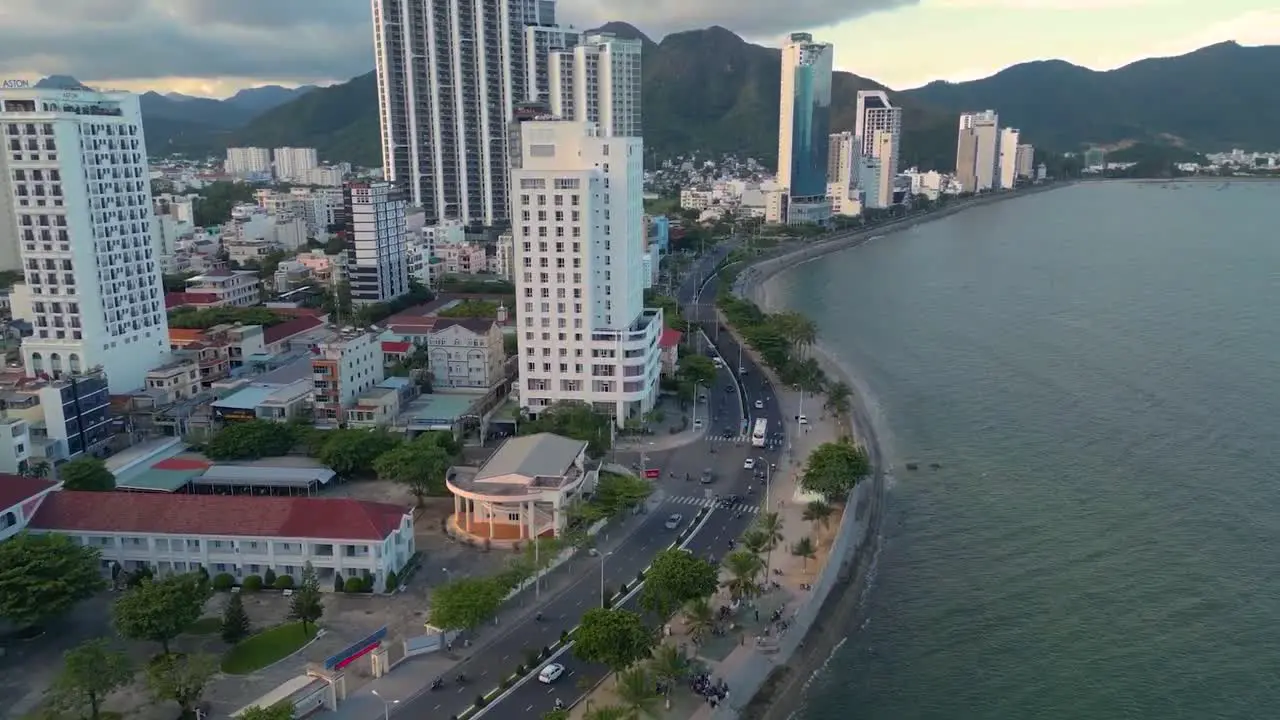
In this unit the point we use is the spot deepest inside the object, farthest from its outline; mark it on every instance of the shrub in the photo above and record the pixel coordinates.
(223, 581)
(354, 585)
(366, 584)
(337, 583)
(283, 582)
(251, 583)
(269, 578)
(392, 581)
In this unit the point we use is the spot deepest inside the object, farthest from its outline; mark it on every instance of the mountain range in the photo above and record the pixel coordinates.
(710, 90)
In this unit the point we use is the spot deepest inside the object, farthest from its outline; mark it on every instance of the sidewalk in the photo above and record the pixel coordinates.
(411, 677)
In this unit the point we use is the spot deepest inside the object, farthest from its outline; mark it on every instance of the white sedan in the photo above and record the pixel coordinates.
(759, 404)
(749, 464)
(551, 673)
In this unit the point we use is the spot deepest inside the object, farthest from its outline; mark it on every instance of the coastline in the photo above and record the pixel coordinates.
(782, 692)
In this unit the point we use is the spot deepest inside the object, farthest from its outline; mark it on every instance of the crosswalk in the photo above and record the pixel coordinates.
(743, 440)
(709, 502)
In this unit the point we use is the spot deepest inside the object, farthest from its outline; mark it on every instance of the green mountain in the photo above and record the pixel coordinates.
(709, 90)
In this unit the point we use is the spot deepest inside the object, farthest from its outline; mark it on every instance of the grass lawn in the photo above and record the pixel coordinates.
(265, 648)
(205, 626)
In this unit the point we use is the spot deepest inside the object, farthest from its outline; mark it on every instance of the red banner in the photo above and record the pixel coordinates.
(653, 473)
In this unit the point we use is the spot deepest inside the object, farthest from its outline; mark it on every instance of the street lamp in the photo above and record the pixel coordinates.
(602, 559)
(386, 705)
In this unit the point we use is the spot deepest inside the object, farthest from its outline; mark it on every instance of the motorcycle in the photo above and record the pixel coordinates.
(437, 684)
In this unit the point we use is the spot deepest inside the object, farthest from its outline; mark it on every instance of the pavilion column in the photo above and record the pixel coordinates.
(489, 511)
(532, 520)
(457, 510)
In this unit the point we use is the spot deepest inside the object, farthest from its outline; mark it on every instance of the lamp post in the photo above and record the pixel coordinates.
(602, 559)
(386, 705)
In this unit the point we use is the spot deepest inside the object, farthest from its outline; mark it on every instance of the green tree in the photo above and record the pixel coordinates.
(669, 666)
(838, 399)
(805, 550)
(180, 678)
(699, 617)
(194, 319)
(352, 452)
(216, 200)
(279, 711)
(574, 420)
(250, 440)
(756, 542)
(638, 692)
(39, 469)
(819, 513)
(472, 309)
(834, 468)
(307, 605)
(465, 603)
(698, 370)
(744, 574)
(609, 712)
(90, 672)
(556, 715)
(674, 578)
(421, 464)
(235, 621)
(86, 473)
(159, 610)
(616, 493)
(769, 525)
(613, 637)
(43, 576)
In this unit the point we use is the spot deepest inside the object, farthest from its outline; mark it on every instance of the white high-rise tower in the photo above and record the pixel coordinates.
(878, 125)
(1008, 162)
(449, 75)
(584, 332)
(598, 81)
(78, 186)
(978, 150)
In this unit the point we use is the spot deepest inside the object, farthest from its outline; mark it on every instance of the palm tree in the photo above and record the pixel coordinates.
(698, 614)
(669, 666)
(804, 549)
(755, 541)
(744, 570)
(798, 329)
(637, 692)
(819, 513)
(770, 525)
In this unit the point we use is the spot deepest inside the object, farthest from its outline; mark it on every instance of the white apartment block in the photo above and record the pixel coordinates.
(342, 369)
(231, 288)
(1008, 163)
(465, 259)
(327, 175)
(1024, 161)
(247, 161)
(75, 164)
(843, 154)
(978, 152)
(577, 211)
(878, 125)
(293, 164)
(539, 43)
(505, 257)
(449, 73)
(598, 81)
(696, 199)
(374, 213)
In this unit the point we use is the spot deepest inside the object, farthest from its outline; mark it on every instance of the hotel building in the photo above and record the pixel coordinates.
(804, 123)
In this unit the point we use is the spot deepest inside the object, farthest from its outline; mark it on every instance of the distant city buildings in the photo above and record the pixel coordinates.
(977, 151)
(373, 217)
(598, 81)
(248, 162)
(295, 164)
(584, 333)
(804, 123)
(79, 206)
(1025, 161)
(1008, 162)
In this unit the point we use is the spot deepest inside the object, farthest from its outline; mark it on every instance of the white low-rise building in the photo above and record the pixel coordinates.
(239, 535)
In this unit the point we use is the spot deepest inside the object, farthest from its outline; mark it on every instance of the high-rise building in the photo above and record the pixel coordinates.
(598, 81)
(373, 218)
(295, 163)
(80, 203)
(1008, 163)
(248, 161)
(1025, 161)
(584, 332)
(804, 122)
(982, 129)
(539, 43)
(842, 173)
(876, 115)
(449, 72)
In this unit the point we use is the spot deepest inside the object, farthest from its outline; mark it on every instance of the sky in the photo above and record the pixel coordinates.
(215, 47)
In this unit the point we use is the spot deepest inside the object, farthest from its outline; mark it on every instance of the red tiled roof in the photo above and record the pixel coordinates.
(235, 515)
(298, 312)
(390, 346)
(669, 338)
(16, 488)
(175, 463)
(289, 328)
(178, 299)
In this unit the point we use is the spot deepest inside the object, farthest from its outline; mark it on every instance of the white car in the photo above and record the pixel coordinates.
(803, 420)
(749, 464)
(551, 673)
(759, 404)
(697, 424)
(673, 522)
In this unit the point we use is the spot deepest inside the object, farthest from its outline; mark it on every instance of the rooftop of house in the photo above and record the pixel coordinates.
(532, 456)
(17, 489)
(289, 328)
(217, 515)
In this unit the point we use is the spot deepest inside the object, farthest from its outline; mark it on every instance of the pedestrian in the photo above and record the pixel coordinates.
(757, 615)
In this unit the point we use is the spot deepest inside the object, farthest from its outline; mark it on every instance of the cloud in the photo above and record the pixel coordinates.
(97, 40)
(753, 18)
